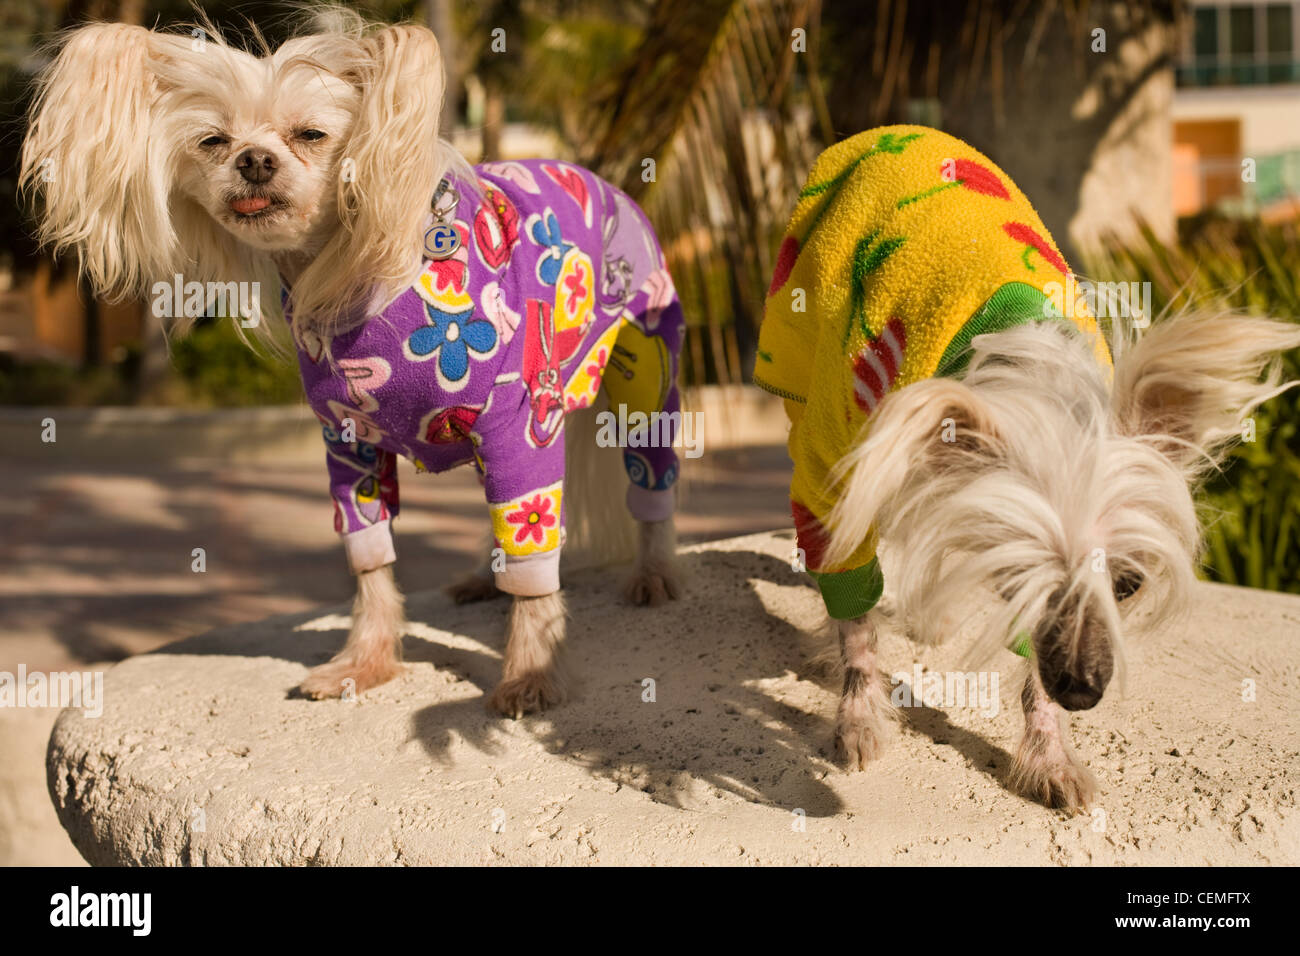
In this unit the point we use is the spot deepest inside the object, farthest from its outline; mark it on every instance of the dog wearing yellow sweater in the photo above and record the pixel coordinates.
(952, 400)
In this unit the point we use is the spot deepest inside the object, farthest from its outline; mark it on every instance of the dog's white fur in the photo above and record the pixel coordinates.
(1058, 481)
(132, 152)
(373, 652)
(134, 132)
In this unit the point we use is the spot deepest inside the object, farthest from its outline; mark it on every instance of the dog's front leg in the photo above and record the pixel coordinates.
(865, 712)
(373, 652)
(531, 679)
(1045, 767)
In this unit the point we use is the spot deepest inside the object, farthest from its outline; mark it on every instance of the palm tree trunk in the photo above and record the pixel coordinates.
(1085, 133)
(437, 15)
(494, 119)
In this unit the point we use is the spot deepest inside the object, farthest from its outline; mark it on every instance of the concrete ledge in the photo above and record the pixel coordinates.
(201, 757)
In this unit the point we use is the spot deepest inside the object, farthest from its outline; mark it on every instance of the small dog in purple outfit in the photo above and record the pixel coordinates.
(448, 315)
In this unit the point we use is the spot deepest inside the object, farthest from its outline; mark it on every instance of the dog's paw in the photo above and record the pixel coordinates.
(531, 693)
(478, 586)
(856, 745)
(864, 719)
(1044, 772)
(346, 675)
(650, 587)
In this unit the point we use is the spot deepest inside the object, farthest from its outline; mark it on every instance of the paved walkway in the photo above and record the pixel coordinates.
(96, 564)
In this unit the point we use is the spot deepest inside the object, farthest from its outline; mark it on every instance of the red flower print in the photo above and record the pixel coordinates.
(965, 173)
(577, 290)
(448, 273)
(875, 369)
(785, 259)
(1025, 234)
(598, 369)
(533, 517)
(980, 179)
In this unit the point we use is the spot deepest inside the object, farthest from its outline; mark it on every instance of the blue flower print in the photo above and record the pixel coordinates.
(546, 233)
(453, 335)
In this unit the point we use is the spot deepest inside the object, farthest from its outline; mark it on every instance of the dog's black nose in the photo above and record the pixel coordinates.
(256, 165)
(1075, 694)
(1073, 676)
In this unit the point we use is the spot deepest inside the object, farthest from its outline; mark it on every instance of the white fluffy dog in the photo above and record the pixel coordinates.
(948, 401)
(317, 167)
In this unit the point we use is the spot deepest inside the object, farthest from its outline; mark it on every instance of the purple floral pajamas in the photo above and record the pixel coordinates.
(558, 287)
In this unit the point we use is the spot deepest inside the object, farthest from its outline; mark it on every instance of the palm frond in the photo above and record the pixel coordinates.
(712, 96)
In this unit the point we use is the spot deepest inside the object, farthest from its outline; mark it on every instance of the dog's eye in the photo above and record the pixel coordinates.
(214, 140)
(311, 135)
(1127, 585)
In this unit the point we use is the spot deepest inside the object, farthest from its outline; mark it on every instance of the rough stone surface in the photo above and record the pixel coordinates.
(203, 757)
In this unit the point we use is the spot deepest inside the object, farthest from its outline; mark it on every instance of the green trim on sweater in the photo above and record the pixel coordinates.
(1013, 304)
(852, 593)
(779, 392)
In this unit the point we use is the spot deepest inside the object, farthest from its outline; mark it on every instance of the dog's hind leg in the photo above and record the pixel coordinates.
(479, 584)
(1046, 768)
(654, 577)
(641, 380)
(531, 679)
(865, 713)
(373, 652)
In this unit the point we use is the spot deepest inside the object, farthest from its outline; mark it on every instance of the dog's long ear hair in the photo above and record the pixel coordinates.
(98, 175)
(934, 423)
(391, 167)
(100, 160)
(1187, 385)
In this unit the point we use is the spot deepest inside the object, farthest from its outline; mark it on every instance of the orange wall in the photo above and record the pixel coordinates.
(59, 317)
(1197, 142)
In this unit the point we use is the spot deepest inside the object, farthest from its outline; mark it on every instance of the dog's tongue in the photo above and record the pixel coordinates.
(246, 207)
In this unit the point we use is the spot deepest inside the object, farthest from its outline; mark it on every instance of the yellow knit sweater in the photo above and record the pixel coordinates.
(905, 244)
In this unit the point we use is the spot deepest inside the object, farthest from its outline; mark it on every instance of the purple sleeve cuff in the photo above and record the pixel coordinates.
(370, 548)
(647, 505)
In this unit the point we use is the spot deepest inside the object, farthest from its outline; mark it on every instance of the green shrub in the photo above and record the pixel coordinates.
(41, 382)
(217, 368)
(211, 367)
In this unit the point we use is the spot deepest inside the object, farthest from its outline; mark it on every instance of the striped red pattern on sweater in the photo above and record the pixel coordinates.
(876, 367)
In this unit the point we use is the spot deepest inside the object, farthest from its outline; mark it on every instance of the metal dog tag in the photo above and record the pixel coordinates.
(442, 240)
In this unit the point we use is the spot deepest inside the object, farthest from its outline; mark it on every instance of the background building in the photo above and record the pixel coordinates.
(1238, 101)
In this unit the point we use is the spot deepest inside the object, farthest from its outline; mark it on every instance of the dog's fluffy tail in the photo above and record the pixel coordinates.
(598, 528)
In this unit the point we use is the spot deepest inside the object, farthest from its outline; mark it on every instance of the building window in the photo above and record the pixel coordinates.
(1241, 44)
(1279, 26)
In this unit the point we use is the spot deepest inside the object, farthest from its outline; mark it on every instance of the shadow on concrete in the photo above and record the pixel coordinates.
(710, 728)
(713, 727)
